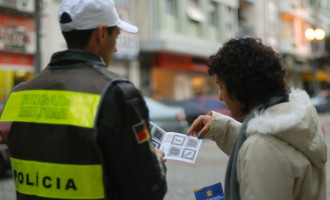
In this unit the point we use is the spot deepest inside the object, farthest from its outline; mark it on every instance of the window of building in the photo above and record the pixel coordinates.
(321, 4)
(213, 15)
(325, 4)
(171, 7)
(272, 19)
(312, 3)
(302, 3)
(9, 3)
(196, 17)
(193, 11)
(171, 22)
(230, 18)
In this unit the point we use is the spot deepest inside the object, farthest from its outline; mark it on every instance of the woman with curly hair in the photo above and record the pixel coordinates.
(278, 152)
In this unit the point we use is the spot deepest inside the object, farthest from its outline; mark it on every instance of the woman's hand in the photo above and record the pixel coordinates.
(200, 126)
(160, 154)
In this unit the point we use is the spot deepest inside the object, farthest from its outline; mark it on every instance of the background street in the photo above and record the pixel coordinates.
(183, 178)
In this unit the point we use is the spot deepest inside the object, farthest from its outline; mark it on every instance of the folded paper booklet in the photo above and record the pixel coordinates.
(176, 146)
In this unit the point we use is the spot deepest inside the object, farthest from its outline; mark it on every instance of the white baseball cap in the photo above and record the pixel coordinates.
(89, 14)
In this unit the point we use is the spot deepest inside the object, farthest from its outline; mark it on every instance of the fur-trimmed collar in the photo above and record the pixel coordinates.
(295, 122)
(273, 120)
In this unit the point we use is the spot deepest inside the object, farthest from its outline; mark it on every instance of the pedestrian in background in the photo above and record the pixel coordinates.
(79, 130)
(278, 152)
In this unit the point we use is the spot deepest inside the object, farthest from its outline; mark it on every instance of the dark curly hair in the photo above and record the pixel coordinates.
(252, 72)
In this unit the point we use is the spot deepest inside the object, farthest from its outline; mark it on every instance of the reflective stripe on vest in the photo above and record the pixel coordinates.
(61, 181)
(52, 107)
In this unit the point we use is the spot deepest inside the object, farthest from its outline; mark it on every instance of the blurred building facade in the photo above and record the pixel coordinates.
(259, 18)
(176, 39)
(282, 25)
(168, 58)
(322, 55)
(300, 55)
(17, 43)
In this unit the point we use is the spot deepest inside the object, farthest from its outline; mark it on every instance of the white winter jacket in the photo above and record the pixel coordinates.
(285, 153)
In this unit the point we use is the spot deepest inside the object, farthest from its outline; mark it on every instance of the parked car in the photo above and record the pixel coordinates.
(4, 152)
(170, 118)
(322, 102)
(211, 103)
(192, 109)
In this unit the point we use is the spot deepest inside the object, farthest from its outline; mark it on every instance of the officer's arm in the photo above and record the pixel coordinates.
(133, 170)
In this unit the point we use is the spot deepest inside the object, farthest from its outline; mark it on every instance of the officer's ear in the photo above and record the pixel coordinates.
(97, 40)
(101, 34)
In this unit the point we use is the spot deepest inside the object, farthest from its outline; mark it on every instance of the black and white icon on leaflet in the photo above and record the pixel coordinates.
(156, 144)
(188, 154)
(178, 140)
(158, 134)
(174, 151)
(192, 142)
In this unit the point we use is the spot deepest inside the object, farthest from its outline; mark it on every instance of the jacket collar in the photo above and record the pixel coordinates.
(282, 116)
(295, 122)
(69, 57)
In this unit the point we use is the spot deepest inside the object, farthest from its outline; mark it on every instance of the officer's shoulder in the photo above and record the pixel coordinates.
(114, 75)
(127, 88)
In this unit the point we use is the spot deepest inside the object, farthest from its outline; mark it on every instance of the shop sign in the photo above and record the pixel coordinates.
(127, 46)
(15, 40)
(11, 61)
(173, 61)
(17, 34)
(179, 62)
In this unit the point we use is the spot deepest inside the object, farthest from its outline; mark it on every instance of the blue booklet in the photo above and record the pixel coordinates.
(212, 192)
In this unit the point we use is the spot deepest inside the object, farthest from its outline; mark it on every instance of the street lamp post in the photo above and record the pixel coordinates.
(314, 36)
(37, 57)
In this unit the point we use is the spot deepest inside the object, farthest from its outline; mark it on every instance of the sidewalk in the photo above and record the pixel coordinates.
(183, 178)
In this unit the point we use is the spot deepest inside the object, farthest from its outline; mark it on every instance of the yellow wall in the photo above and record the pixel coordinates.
(6, 83)
(8, 80)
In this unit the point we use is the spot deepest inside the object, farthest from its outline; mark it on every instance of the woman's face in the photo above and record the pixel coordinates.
(232, 103)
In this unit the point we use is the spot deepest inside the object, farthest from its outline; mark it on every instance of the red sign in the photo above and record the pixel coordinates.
(17, 34)
(17, 21)
(179, 62)
(16, 59)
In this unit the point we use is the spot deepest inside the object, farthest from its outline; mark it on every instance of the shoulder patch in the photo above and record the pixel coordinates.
(141, 132)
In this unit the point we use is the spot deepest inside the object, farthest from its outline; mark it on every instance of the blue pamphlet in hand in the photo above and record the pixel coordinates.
(212, 192)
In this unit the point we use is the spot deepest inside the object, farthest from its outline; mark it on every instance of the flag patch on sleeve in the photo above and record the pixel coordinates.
(141, 132)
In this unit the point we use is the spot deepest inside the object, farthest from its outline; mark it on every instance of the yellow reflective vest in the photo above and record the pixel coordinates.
(73, 135)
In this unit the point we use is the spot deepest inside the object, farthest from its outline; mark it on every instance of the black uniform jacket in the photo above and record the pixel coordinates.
(131, 169)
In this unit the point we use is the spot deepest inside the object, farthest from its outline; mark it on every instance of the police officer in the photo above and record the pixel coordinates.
(80, 131)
